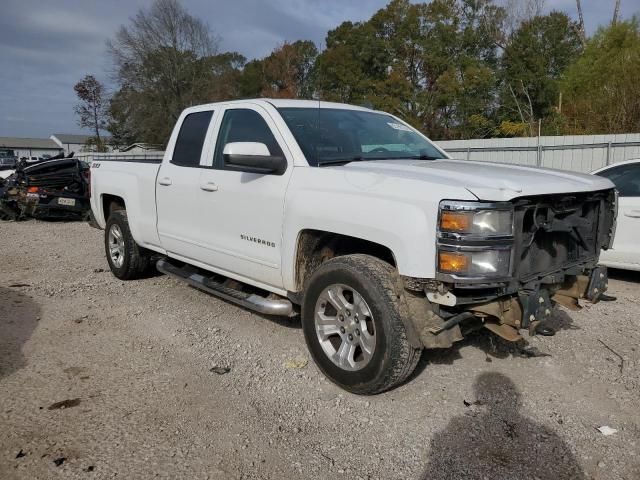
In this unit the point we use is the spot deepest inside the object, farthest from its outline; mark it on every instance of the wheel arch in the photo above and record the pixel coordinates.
(110, 203)
(313, 247)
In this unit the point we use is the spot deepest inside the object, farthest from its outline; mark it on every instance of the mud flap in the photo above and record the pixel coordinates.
(536, 306)
(424, 320)
(598, 283)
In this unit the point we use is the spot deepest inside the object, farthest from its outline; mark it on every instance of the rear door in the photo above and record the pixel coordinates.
(243, 211)
(179, 215)
(626, 246)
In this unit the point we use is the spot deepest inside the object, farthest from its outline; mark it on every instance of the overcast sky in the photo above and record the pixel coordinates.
(47, 46)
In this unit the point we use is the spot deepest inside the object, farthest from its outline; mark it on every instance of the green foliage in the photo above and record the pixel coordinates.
(166, 60)
(148, 111)
(431, 63)
(602, 90)
(445, 66)
(508, 128)
(288, 72)
(534, 59)
(95, 144)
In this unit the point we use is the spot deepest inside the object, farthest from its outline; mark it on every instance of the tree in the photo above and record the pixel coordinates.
(164, 61)
(225, 71)
(121, 121)
(92, 107)
(534, 59)
(602, 93)
(251, 82)
(288, 70)
(433, 64)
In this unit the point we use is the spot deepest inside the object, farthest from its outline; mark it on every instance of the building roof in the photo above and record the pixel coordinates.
(66, 138)
(14, 142)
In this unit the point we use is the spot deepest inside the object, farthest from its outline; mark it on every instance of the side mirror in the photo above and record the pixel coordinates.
(253, 157)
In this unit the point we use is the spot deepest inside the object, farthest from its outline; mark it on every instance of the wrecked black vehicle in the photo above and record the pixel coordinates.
(55, 188)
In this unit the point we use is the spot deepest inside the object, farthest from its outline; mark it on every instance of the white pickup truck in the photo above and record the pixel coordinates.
(383, 243)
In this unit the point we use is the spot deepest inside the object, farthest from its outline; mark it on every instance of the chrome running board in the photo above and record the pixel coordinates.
(267, 306)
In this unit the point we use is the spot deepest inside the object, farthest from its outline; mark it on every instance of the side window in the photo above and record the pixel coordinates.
(626, 178)
(191, 139)
(244, 125)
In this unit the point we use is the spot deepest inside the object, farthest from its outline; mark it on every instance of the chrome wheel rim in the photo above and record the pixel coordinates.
(344, 327)
(116, 245)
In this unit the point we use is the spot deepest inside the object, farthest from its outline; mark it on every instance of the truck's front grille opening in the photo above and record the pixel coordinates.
(556, 231)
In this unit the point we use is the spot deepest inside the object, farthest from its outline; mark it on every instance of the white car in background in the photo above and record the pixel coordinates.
(626, 245)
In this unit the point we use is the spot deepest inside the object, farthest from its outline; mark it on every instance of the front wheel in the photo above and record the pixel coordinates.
(353, 326)
(126, 259)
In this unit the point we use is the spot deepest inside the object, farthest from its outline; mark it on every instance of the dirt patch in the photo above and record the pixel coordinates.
(177, 384)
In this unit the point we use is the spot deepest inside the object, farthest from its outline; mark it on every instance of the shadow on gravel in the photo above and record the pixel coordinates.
(624, 275)
(494, 441)
(287, 322)
(493, 346)
(561, 320)
(18, 320)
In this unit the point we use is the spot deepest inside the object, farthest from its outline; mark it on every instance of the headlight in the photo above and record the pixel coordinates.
(463, 219)
(475, 263)
(475, 239)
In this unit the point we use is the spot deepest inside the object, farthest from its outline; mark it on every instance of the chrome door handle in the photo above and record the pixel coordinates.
(166, 181)
(632, 213)
(209, 187)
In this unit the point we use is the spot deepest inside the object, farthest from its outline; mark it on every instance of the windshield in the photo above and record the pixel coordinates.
(329, 136)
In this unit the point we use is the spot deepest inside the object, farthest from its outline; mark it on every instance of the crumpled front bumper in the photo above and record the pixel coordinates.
(507, 315)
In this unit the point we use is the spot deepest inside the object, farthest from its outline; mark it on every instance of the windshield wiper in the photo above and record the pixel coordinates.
(425, 157)
(360, 158)
(340, 161)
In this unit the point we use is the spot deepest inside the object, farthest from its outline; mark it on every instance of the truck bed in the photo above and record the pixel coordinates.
(132, 177)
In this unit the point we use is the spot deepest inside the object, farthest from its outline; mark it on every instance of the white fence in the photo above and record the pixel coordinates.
(578, 153)
(123, 156)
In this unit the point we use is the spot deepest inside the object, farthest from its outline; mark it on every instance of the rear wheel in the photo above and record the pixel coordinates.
(126, 259)
(353, 325)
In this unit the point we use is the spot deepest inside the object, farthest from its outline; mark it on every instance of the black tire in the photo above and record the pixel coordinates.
(393, 358)
(135, 260)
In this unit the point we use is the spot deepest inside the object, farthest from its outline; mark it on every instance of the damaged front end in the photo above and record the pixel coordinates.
(504, 266)
(53, 189)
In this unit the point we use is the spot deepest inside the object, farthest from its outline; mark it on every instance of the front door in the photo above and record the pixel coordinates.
(243, 210)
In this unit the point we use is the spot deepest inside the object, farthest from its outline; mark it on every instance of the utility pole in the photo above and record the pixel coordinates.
(581, 23)
(616, 12)
(539, 149)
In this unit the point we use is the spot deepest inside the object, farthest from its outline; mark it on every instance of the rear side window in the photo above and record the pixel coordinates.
(191, 139)
(626, 178)
(244, 125)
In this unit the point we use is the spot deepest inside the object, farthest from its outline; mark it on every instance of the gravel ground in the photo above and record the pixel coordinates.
(135, 361)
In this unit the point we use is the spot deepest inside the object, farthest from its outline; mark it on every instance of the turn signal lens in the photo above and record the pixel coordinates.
(32, 189)
(456, 221)
(453, 262)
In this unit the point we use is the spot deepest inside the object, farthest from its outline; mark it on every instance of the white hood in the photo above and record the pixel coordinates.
(488, 181)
